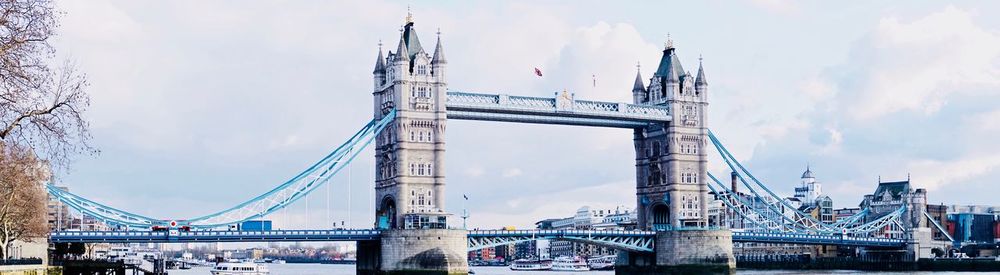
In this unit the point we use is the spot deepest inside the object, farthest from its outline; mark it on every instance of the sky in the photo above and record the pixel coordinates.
(197, 106)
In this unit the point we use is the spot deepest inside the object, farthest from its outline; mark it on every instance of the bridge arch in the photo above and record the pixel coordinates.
(386, 213)
(661, 214)
(622, 240)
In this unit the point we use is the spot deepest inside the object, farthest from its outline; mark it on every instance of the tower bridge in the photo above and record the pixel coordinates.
(412, 104)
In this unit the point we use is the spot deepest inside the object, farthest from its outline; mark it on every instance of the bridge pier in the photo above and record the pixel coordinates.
(415, 251)
(694, 251)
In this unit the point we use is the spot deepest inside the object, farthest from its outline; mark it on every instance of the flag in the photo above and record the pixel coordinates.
(466, 197)
(538, 72)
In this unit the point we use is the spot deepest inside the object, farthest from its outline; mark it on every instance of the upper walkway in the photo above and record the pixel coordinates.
(562, 109)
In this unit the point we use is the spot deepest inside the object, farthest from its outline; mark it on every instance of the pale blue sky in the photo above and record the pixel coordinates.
(197, 106)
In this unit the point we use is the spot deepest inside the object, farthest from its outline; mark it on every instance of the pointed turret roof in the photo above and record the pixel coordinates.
(438, 52)
(670, 67)
(402, 54)
(638, 86)
(379, 63)
(412, 42)
(700, 80)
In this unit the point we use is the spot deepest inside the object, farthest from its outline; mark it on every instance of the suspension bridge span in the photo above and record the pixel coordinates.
(411, 106)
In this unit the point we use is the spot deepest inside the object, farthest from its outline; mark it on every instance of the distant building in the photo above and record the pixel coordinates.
(844, 213)
(59, 217)
(976, 228)
(586, 218)
(939, 215)
(809, 190)
(890, 196)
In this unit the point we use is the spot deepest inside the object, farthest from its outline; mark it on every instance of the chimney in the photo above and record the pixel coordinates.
(733, 179)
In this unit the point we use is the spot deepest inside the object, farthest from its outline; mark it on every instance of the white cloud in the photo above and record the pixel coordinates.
(512, 172)
(916, 66)
(936, 174)
(778, 6)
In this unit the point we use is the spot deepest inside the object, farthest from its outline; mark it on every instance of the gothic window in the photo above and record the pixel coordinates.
(420, 199)
(412, 169)
(656, 149)
(412, 136)
(421, 136)
(420, 169)
(429, 172)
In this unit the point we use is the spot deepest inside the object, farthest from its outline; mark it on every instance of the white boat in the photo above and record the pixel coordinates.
(602, 263)
(240, 269)
(570, 264)
(524, 264)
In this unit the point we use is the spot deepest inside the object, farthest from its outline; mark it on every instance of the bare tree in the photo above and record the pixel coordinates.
(22, 200)
(41, 107)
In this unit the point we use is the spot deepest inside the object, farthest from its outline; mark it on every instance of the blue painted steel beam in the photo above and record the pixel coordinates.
(211, 236)
(793, 238)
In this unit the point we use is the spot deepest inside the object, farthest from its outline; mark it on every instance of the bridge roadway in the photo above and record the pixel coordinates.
(628, 240)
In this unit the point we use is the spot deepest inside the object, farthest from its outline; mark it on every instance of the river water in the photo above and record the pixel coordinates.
(329, 269)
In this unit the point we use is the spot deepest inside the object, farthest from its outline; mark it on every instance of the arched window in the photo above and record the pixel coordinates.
(420, 169)
(412, 169)
(656, 149)
(412, 136)
(421, 136)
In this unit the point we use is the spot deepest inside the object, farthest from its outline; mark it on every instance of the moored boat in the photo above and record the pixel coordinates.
(244, 268)
(532, 264)
(570, 264)
(602, 263)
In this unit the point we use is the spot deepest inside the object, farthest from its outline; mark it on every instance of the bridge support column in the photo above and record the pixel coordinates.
(919, 245)
(683, 252)
(415, 251)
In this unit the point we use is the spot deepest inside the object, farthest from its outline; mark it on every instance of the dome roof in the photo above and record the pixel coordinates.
(808, 174)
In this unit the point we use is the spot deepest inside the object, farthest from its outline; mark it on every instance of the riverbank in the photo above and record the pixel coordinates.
(862, 265)
(30, 270)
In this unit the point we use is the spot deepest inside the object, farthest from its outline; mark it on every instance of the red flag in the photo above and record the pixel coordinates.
(538, 72)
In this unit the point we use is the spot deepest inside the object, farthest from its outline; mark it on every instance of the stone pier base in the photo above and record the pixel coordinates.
(683, 252)
(415, 251)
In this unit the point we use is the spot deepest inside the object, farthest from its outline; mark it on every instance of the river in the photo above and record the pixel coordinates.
(329, 269)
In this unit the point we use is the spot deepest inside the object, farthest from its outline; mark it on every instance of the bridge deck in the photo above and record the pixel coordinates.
(562, 110)
(629, 240)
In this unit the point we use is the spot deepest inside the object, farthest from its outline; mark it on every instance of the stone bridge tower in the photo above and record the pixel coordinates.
(671, 158)
(409, 153)
(409, 165)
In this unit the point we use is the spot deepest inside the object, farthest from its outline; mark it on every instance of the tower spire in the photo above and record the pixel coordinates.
(438, 51)
(401, 53)
(379, 63)
(638, 85)
(409, 15)
(700, 80)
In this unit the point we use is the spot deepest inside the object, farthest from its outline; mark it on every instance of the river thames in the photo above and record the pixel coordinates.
(327, 269)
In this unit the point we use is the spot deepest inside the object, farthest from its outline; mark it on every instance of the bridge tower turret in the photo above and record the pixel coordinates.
(670, 158)
(409, 155)
(409, 163)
